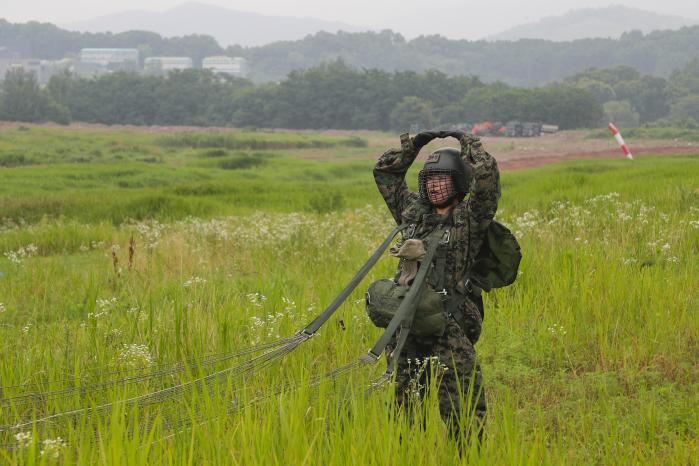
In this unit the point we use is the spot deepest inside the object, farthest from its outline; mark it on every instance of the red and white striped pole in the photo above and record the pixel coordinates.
(620, 141)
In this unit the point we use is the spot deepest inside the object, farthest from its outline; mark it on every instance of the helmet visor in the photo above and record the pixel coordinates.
(437, 186)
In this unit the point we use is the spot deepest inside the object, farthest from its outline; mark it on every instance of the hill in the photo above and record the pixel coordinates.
(226, 25)
(609, 22)
(526, 62)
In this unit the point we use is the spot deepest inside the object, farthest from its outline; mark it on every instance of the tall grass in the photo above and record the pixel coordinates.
(589, 358)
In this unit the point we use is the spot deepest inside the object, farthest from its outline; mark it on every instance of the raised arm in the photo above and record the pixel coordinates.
(390, 170)
(484, 192)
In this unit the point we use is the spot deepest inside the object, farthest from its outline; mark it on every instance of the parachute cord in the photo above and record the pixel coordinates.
(167, 393)
(32, 398)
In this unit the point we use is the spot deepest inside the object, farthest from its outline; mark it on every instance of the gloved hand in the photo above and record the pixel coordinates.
(422, 139)
(458, 134)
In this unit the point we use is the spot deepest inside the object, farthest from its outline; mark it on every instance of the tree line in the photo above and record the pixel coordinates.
(526, 62)
(630, 98)
(333, 95)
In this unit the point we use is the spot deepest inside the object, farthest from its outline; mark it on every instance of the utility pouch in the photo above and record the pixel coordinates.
(385, 296)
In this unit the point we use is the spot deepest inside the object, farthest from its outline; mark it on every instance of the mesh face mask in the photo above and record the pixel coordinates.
(437, 186)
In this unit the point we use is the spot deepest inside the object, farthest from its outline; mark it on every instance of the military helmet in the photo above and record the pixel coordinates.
(446, 161)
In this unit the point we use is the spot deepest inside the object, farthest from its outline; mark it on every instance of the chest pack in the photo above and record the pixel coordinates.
(495, 266)
(385, 297)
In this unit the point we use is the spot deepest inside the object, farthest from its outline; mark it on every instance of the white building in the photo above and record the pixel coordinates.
(162, 65)
(26, 64)
(43, 69)
(235, 66)
(96, 62)
(105, 57)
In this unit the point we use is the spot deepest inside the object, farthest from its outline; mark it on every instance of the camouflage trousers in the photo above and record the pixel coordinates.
(451, 360)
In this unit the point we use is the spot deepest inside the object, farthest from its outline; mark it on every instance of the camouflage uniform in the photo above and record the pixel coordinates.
(469, 219)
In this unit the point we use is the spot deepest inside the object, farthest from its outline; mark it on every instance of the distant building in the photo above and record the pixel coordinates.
(51, 68)
(95, 62)
(106, 57)
(43, 69)
(162, 65)
(26, 64)
(234, 66)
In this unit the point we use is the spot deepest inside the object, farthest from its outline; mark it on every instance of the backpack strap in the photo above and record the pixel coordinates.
(440, 262)
(458, 296)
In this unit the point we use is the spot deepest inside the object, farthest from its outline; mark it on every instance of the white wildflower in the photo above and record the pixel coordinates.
(289, 304)
(557, 330)
(257, 299)
(26, 328)
(193, 281)
(23, 439)
(2, 307)
(136, 355)
(257, 322)
(52, 447)
(106, 304)
(623, 216)
(16, 257)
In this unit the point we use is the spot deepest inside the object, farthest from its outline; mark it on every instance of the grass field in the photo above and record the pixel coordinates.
(589, 358)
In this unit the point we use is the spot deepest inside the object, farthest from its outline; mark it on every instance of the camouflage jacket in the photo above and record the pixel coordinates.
(469, 219)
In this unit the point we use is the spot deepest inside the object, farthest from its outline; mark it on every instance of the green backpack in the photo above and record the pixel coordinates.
(495, 266)
(497, 262)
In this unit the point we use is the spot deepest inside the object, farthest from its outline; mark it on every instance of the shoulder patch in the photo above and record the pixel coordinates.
(433, 157)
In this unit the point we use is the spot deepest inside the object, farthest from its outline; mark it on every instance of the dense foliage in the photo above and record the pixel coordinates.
(328, 96)
(630, 98)
(526, 62)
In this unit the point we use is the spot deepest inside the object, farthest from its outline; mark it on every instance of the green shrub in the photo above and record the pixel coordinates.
(13, 159)
(241, 162)
(325, 203)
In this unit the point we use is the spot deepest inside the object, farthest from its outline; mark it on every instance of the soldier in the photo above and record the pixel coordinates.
(460, 191)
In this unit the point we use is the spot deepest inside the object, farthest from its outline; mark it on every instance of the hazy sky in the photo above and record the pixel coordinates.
(451, 18)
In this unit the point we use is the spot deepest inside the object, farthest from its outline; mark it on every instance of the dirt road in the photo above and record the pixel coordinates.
(521, 153)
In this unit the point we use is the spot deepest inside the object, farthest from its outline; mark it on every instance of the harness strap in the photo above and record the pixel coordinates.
(457, 298)
(402, 338)
(440, 263)
(313, 327)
